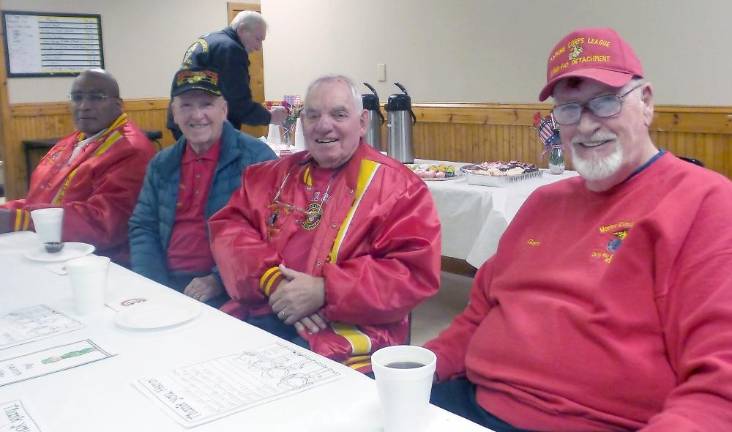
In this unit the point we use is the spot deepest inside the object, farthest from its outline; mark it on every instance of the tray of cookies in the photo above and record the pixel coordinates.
(499, 173)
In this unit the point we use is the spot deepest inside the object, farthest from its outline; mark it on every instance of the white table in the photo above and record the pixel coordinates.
(99, 396)
(474, 217)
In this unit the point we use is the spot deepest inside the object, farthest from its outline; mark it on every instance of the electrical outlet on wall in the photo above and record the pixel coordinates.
(380, 72)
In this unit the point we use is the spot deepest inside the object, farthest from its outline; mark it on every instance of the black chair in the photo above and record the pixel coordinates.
(154, 136)
(692, 160)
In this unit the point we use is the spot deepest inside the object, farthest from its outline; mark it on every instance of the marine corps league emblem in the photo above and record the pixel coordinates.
(313, 214)
(187, 61)
(617, 233)
(618, 237)
(575, 49)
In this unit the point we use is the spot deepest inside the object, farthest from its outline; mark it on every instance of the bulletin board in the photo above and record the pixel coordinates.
(42, 44)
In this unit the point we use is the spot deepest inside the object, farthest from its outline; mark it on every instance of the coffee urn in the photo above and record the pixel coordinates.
(399, 125)
(375, 118)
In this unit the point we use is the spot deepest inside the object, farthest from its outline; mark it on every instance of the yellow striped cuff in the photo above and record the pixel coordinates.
(22, 220)
(360, 342)
(356, 359)
(269, 280)
(357, 366)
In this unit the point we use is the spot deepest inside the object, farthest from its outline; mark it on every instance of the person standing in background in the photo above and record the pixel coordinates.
(227, 51)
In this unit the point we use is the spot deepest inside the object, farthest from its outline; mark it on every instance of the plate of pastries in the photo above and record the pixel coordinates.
(499, 173)
(435, 172)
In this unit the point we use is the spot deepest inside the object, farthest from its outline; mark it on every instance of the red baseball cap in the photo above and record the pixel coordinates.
(595, 53)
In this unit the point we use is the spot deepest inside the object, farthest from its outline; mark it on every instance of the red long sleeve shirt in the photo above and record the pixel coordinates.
(606, 311)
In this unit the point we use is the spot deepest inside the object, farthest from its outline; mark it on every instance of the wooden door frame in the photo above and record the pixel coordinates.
(7, 153)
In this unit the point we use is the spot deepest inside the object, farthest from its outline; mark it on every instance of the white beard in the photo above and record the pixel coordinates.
(597, 167)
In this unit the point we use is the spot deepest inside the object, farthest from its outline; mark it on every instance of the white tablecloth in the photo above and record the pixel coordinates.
(474, 217)
(99, 396)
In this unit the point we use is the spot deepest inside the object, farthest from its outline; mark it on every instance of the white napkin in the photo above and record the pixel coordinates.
(299, 137)
(273, 136)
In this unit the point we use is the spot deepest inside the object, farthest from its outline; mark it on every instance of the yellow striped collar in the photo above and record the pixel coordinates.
(119, 121)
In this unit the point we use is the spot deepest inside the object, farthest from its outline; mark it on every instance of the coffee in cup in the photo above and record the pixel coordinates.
(404, 381)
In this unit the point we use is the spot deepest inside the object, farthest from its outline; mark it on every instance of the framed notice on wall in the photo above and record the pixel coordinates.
(42, 44)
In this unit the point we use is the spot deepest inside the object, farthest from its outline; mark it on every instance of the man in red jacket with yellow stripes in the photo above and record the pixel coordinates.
(333, 247)
(95, 173)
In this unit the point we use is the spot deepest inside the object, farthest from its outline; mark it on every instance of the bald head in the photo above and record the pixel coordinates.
(103, 79)
(95, 102)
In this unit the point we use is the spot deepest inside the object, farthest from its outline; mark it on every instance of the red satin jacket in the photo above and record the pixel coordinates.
(98, 190)
(377, 247)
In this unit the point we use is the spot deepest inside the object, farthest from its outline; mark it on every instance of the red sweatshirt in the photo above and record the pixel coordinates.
(606, 311)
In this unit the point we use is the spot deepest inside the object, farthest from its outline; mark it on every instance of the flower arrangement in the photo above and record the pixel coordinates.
(293, 105)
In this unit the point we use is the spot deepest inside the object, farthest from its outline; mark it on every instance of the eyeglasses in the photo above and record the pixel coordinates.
(601, 106)
(90, 97)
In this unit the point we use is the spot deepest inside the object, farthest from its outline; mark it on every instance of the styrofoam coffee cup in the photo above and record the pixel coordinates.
(404, 381)
(88, 276)
(48, 223)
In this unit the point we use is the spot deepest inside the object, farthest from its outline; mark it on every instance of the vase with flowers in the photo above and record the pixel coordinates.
(293, 105)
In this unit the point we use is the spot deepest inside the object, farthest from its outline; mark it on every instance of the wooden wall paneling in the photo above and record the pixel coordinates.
(151, 114)
(49, 120)
(460, 132)
(478, 132)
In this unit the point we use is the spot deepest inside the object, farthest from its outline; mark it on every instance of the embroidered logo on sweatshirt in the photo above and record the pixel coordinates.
(613, 235)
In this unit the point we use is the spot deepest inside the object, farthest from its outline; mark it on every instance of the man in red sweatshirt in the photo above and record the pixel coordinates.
(608, 304)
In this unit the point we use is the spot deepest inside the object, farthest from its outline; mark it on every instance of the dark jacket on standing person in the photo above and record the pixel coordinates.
(223, 51)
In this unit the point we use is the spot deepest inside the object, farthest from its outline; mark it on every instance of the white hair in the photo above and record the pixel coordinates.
(357, 102)
(247, 20)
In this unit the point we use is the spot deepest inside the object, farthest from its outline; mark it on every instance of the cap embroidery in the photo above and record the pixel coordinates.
(575, 48)
(193, 77)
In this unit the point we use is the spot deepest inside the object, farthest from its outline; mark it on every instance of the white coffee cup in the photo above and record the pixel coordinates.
(48, 223)
(88, 276)
(404, 381)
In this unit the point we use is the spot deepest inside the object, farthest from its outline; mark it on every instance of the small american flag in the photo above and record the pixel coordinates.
(547, 130)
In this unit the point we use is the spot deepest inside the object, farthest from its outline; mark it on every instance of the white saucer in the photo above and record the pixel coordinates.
(70, 251)
(151, 316)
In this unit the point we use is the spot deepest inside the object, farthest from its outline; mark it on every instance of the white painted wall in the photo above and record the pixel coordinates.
(493, 50)
(442, 50)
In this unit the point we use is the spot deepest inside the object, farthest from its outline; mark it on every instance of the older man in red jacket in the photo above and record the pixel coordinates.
(333, 247)
(94, 174)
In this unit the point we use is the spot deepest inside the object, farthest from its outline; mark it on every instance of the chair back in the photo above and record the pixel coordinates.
(692, 160)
